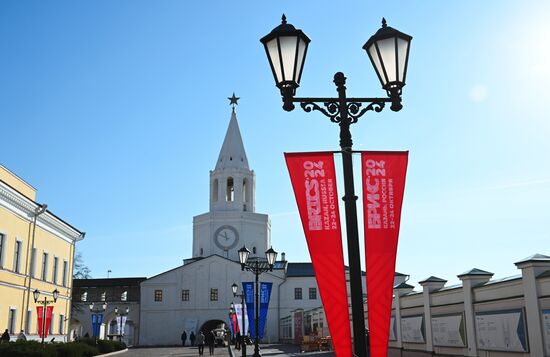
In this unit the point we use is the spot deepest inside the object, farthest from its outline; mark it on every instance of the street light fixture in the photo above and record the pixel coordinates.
(45, 303)
(257, 266)
(388, 50)
(235, 288)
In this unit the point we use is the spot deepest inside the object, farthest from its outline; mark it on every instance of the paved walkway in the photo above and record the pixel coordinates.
(276, 350)
(172, 352)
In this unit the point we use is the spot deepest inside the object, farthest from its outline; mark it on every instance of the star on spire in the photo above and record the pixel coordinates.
(233, 101)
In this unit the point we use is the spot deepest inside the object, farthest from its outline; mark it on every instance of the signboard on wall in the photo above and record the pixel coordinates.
(393, 329)
(546, 329)
(449, 330)
(412, 329)
(502, 330)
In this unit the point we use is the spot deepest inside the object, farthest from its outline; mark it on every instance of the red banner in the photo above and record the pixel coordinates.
(49, 312)
(314, 181)
(40, 320)
(383, 187)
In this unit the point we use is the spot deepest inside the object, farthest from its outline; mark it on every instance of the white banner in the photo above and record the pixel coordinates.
(239, 312)
(501, 330)
(448, 330)
(412, 329)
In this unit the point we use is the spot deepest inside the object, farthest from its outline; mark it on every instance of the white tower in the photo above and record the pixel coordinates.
(232, 221)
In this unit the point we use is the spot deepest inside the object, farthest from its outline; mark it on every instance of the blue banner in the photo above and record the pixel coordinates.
(265, 293)
(248, 289)
(94, 324)
(99, 321)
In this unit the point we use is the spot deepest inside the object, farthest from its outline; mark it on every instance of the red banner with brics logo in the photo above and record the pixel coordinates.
(383, 188)
(314, 182)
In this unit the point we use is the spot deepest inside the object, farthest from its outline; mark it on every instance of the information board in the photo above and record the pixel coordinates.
(448, 330)
(393, 329)
(412, 329)
(502, 330)
(546, 329)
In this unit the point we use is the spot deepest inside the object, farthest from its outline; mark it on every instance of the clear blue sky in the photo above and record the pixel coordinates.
(116, 110)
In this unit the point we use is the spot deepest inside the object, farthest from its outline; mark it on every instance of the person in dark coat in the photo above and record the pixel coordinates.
(200, 343)
(5, 337)
(210, 340)
(183, 338)
(192, 338)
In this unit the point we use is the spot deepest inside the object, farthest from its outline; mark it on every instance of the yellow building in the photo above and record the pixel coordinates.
(36, 253)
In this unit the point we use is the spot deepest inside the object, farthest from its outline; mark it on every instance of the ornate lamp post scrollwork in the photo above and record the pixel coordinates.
(257, 266)
(388, 50)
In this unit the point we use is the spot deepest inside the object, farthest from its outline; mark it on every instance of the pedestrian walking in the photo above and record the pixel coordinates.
(210, 339)
(5, 337)
(200, 343)
(183, 338)
(192, 338)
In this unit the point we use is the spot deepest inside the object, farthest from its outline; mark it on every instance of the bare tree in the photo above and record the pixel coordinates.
(81, 270)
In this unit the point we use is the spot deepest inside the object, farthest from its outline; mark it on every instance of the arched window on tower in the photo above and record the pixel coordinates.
(253, 250)
(245, 194)
(230, 190)
(201, 252)
(215, 191)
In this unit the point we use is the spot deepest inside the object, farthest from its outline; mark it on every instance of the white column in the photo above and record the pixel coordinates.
(470, 280)
(530, 268)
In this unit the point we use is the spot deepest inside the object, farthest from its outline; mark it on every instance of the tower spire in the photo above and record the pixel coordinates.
(232, 153)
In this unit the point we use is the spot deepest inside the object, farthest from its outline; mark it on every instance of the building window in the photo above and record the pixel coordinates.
(158, 295)
(124, 296)
(103, 296)
(17, 256)
(11, 321)
(215, 191)
(61, 324)
(312, 293)
(201, 252)
(54, 273)
(28, 322)
(44, 266)
(253, 250)
(185, 295)
(230, 190)
(84, 296)
(65, 272)
(33, 263)
(2, 248)
(213, 294)
(297, 293)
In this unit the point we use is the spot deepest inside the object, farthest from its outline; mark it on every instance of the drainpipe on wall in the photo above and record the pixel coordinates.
(41, 208)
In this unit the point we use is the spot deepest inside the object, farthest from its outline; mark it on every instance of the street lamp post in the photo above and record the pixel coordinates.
(388, 50)
(45, 303)
(235, 288)
(121, 314)
(257, 266)
(97, 311)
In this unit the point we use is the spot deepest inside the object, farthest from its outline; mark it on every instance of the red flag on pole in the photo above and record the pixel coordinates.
(383, 187)
(314, 181)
